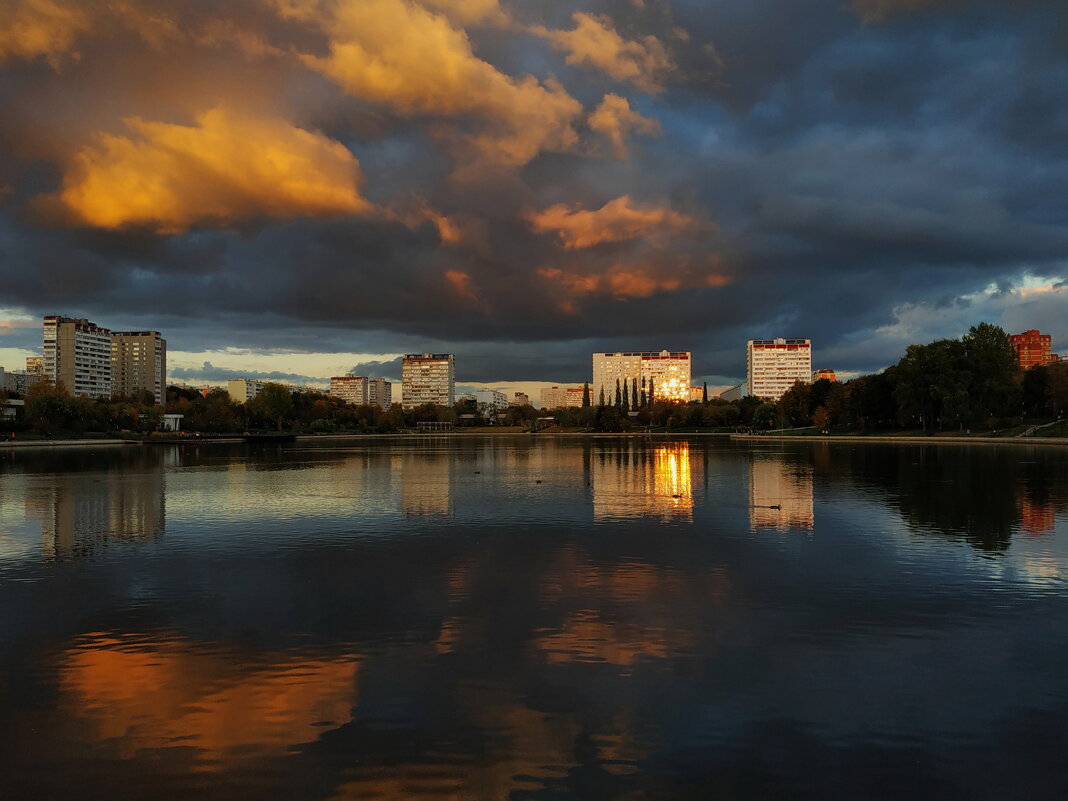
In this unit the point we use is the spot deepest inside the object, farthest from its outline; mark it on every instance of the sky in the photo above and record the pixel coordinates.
(294, 189)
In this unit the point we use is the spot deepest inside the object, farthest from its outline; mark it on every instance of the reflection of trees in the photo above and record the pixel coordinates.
(981, 494)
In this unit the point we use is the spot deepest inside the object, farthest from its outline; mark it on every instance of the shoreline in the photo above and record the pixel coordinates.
(750, 438)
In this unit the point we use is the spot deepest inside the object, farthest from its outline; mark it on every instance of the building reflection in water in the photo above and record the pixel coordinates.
(634, 480)
(1037, 518)
(80, 512)
(426, 480)
(780, 495)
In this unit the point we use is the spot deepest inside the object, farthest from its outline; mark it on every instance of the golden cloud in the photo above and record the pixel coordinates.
(615, 221)
(622, 282)
(615, 120)
(227, 167)
(594, 42)
(410, 59)
(34, 28)
(468, 12)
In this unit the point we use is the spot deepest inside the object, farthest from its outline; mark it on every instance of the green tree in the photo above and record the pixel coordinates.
(994, 389)
(625, 405)
(619, 396)
(48, 406)
(704, 392)
(765, 416)
(274, 402)
(585, 394)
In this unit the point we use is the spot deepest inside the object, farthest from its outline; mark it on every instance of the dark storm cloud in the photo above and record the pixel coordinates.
(209, 373)
(854, 158)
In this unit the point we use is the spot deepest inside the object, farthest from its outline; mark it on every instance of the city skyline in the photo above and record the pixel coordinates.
(541, 182)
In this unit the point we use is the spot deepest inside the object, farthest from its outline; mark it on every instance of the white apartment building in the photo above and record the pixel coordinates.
(138, 363)
(668, 372)
(350, 388)
(734, 393)
(490, 400)
(77, 353)
(561, 397)
(380, 392)
(775, 365)
(242, 390)
(428, 378)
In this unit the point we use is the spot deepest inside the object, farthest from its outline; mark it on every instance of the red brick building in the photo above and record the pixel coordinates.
(1033, 348)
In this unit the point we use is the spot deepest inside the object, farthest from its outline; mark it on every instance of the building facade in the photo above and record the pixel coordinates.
(734, 393)
(380, 392)
(560, 397)
(350, 388)
(17, 381)
(35, 365)
(489, 400)
(428, 378)
(775, 365)
(520, 399)
(824, 375)
(77, 353)
(1033, 348)
(667, 372)
(242, 390)
(138, 363)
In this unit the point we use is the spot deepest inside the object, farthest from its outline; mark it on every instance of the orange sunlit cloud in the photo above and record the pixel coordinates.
(226, 168)
(621, 282)
(616, 221)
(615, 120)
(415, 61)
(594, 42)
(34, 28)
(461, 282)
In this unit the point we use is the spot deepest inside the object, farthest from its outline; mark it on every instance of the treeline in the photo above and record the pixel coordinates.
(973, 382)
(969, 383)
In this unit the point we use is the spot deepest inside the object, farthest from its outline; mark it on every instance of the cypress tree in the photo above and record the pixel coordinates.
(619, 395)
(626, 398)
(586, 395)
(643, 393)
(704, 393)
(634, 393)
(600, 403)
(652, 394)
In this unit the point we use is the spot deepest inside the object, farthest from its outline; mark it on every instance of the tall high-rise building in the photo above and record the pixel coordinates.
(668, 372)
(138, 363)
(1033, 348)
(77, 353)
(380, 392)
(775, 365)
(428, 378)
(350, 388)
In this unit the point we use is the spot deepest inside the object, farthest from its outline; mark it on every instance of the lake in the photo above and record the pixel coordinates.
(525, 618)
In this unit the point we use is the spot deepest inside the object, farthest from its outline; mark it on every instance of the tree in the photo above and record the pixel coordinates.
(765, 416)
(821, 418)
(634, 393)
(644, 399)
(600, 402)
(995, 373)
(619, 396)
(704, 392)
(652, 398)
(47, 406)
(585, 394)
(625, 405)
(274, 402)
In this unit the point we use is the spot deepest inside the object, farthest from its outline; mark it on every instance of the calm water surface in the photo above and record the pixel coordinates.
(497, 618)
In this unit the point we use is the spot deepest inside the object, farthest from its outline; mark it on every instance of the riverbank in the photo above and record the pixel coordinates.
(933, 440)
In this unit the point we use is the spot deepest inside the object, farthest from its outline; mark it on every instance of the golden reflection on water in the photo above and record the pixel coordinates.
(170, 693)
(638, 481)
